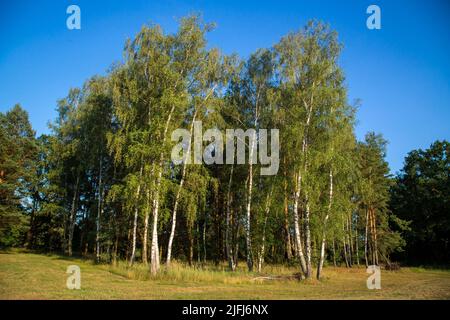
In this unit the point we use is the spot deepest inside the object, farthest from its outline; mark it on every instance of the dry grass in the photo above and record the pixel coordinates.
(34, 276)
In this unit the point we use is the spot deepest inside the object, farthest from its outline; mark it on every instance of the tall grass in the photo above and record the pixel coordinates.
(179, 271)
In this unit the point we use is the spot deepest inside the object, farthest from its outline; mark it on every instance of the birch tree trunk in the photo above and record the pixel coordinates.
(306, 265)
(154, 265)
(375, 237)
(308, 241)
(249, 196)
(298, 241)
(145, 236)
(228, 243)
(177, 197)
(263, 240)
(262, 251)
(248, 220)
(322, 247)
(135, 218)
(288, 244)
(73, 212)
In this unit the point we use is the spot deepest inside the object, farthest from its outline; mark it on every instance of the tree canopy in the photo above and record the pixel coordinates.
(103, 184)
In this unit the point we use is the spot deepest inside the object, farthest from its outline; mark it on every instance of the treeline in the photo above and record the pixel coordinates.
(420, 195)
(103, 184)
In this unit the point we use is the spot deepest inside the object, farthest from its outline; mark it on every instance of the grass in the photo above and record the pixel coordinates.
(38, 276)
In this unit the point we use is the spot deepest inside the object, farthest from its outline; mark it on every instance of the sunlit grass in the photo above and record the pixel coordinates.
(42, 276)
(182, 272)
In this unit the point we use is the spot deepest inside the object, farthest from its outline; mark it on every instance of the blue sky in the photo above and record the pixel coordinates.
(401, 73)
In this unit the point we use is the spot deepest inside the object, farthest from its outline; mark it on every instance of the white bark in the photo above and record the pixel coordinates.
(180, 187)
(177, 197)
(263, 240)
(305, 265)
(72, 217)
(154, 265)
(298, 241)
(308, 241)
(375, 237)
(286, 220)
(145, 237)
(155, 249)
(322, 247)
(249, 192)
(136, 212)
(305, 146)
(229, 248)
(248, 227)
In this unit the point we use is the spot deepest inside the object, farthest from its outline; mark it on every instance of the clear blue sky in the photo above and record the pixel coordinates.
(401, 72)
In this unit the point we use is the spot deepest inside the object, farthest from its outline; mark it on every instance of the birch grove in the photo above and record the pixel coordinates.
(113, 191)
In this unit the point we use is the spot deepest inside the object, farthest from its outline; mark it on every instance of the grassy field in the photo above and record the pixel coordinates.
(35, 276)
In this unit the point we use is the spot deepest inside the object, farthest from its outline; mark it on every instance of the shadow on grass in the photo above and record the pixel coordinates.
(6, 251)
(56, 255)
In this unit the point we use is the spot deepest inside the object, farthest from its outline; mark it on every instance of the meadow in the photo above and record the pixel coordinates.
(26, 275)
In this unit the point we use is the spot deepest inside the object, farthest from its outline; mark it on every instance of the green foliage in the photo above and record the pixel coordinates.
(103, 179)
(421, 196)
(17, 162)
